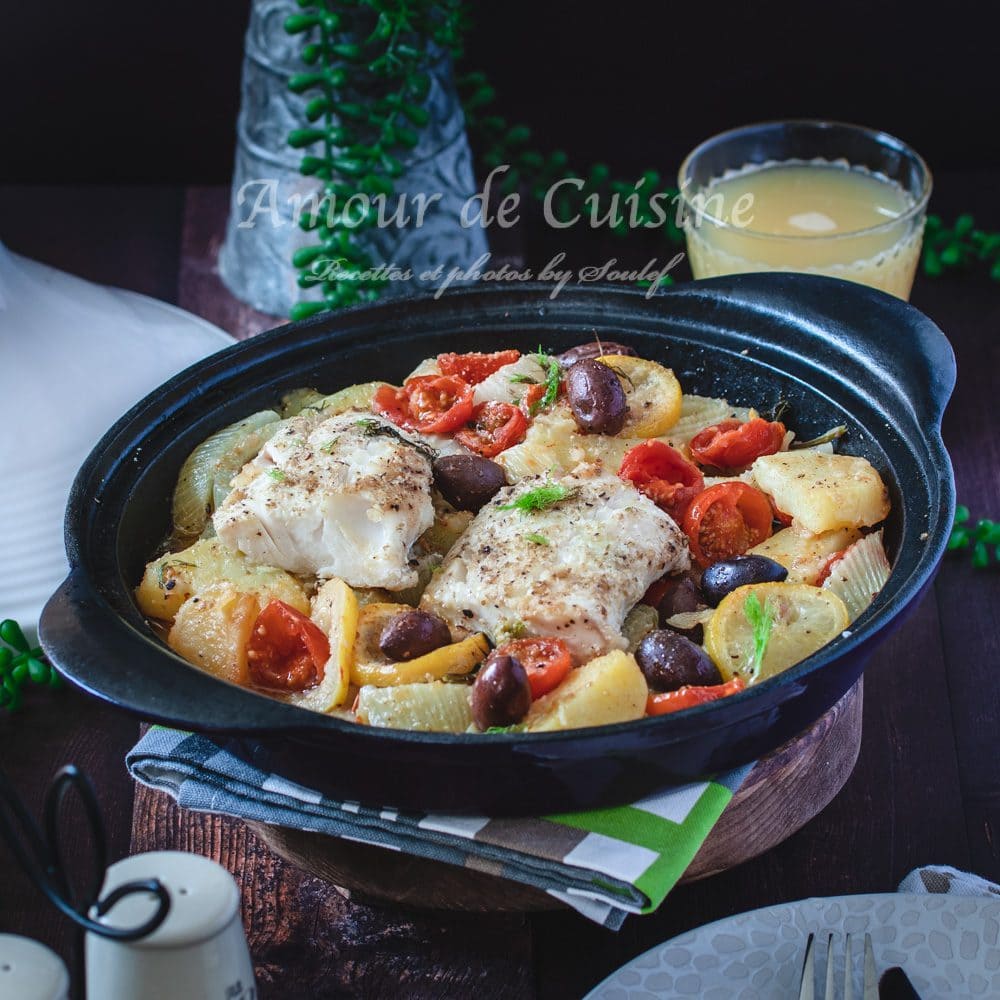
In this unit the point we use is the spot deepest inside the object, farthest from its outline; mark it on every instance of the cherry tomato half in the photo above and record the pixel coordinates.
(733, 445)
(286, 651)
(664, 475)
(496, 426)
(475, 367)
(431, 404)
(725, 520)
(546, 661)
(827, 568)
(688, 697)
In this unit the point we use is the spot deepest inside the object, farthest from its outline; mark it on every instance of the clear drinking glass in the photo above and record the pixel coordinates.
(838, 181)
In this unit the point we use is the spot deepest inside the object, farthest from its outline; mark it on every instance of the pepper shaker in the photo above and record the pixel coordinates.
(198, 953)
(29, 971)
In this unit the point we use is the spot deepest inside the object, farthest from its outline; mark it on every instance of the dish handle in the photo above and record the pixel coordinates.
(122, 664)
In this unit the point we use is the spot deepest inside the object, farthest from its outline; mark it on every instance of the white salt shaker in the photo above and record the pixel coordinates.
(198, 953)
(30, 971)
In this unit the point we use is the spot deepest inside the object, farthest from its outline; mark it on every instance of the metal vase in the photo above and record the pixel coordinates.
(268, 191)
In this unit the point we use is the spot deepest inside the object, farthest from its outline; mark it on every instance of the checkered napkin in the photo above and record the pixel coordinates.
(605, 863)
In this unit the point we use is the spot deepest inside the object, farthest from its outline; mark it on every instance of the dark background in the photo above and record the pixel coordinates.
(114, 92)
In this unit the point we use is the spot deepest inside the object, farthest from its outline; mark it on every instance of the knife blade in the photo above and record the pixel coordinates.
(895, 984)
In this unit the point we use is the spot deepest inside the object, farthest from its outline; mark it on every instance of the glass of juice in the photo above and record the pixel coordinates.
(813, 196)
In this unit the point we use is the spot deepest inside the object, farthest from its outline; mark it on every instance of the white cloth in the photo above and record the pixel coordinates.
(74, 357)
(941, 878)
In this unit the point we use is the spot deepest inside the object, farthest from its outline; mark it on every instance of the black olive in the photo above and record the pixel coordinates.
(682, 595)
(594, 350)
(468, 482)
(501, 695)
(413, 633)
(670, 661)
(723, 577)
(596, 397)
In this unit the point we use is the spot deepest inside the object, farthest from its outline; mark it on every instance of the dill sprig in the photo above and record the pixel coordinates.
(761, 619)
(553, 376)
(538, 539)
(541, 498)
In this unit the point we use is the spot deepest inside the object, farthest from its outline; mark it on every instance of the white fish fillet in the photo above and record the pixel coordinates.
(606, 543)
(335, 497)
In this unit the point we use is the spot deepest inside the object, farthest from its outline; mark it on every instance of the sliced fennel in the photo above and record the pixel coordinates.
(860, 574)
(209, 468)
(433, 708)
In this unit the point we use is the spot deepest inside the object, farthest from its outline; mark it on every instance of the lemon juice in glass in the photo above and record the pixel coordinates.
(818, 197)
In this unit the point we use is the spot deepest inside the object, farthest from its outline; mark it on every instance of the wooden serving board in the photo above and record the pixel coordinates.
(781, 794)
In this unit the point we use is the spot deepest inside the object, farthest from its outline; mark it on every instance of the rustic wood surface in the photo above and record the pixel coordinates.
(785, 790)
(926, 788)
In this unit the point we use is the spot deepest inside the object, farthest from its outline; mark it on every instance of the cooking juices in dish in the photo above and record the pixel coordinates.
(514, 542)
(819, 217)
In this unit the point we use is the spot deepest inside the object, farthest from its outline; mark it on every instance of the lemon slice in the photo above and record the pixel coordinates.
(805, 619)
(652, 392)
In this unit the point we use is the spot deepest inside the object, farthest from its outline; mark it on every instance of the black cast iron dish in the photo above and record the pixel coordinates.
(838, 352)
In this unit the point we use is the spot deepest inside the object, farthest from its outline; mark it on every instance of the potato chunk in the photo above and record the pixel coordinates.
(804, 556)
(610, 688)
(170, 580)
(212, 631)
(823, 492)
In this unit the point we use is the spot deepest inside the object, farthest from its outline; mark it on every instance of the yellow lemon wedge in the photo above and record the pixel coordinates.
(802, 618)
(652, 392)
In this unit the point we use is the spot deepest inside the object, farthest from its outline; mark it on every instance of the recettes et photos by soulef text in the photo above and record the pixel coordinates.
(514, 542)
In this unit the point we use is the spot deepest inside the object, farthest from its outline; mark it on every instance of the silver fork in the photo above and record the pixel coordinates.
(807, 988)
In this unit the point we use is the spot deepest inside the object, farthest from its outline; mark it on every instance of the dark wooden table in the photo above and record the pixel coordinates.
(926, 788)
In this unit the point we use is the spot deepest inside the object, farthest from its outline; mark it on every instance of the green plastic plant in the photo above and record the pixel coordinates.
(20, 662)
(367, 79)
(962, 247)
(366, 69)
(983, 538)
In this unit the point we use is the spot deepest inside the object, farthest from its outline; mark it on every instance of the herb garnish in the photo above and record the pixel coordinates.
(540, 498)
(373, 428)
(327, 449)
(554, 374)
(518, 727)
(520, 377)
(761, 619)
(161, 571)
(277, 475)
(537, 539)
(831, 435)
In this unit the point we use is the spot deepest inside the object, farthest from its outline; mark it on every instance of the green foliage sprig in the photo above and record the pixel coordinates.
(500, 142)
(368, 80)
(962, 247)
(367, 73)
(20, 662)
(982, 538)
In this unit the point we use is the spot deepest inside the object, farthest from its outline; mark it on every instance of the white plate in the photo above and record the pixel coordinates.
(75, 356)
(947, 944)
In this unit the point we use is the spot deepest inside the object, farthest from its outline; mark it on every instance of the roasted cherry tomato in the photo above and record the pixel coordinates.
(688, 697)
(732, 445)
(475, 367)
(286, 651)
(496, 426)
(785, 520)
(725, 521)
(533, 395)
(827, 568)
(547, 661)
(431, 404)
(664, 475)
